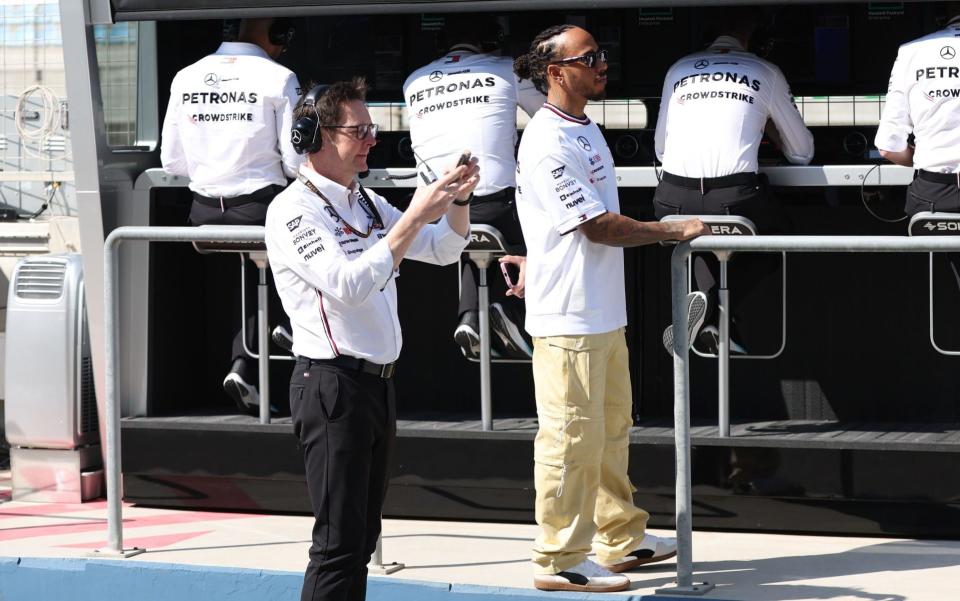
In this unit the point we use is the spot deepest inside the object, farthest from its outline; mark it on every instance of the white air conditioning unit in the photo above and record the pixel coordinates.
(51, 408)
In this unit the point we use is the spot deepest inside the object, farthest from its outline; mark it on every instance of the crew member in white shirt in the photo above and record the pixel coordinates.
(226, 128)
(924, 100)
(335, 249)
(469, 98)
(715, 107)
(576, 312)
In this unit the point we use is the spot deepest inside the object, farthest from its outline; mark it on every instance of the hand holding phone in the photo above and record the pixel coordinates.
(510, 274)
(513, 268)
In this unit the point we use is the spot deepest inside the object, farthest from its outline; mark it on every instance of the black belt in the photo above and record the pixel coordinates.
(385, 371)
(263, 196)
(496, 196)
(709, 183)
(939, 178)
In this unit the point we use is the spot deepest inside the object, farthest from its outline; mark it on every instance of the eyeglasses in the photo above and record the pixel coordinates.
(360, 131)
(589, 59)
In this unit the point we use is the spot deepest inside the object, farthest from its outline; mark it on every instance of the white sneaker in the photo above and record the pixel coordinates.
(586, 576)
(652, 549)
(696, 311)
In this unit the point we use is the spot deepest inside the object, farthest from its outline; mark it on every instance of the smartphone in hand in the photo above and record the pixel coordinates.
(511, 273)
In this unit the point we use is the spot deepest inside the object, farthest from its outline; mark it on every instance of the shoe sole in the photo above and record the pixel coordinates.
(466, 338)
(236, 392)
(696, 311)
(509, 334)
(580, 588)
(633, 563)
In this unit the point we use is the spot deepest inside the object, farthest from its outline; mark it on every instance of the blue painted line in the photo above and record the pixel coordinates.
(44, 579)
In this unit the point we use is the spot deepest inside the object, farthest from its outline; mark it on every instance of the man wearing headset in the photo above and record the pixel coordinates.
(335, 249)
(226, 129)
(715, 107)
(469, 97)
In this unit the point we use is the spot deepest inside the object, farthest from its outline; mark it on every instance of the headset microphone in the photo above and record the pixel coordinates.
(305, 133)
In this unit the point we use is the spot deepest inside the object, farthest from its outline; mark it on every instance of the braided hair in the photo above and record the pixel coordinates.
(543, 50)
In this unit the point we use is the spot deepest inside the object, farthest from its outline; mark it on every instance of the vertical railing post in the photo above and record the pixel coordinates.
(681, 418)
(723, 349)
(112, 419)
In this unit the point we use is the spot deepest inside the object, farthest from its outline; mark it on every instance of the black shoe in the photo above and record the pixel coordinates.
(467, 335)
(709, 340)
(244, 395)
(512, 344)
(282, 338)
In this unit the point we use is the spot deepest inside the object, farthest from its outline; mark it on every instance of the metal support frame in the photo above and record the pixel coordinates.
(260, 260)
(730, 225)
(492, 239)
(112, 356)
(376, 564)
(942, 224)
(681, 367)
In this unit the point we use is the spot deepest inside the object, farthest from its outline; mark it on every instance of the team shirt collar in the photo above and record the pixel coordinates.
(565, 115)
(242, 49)
(335, 193)
(458, 48)
(728, 41)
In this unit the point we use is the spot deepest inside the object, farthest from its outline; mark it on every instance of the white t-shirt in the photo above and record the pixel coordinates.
(469, 100)
(228, 122)
(566, 177)
(924, 99)
(714, 108)
(338, 287)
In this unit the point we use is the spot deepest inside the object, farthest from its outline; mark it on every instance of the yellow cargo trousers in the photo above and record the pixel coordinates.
(584, 495)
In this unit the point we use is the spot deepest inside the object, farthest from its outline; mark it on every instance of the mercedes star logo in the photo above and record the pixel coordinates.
(947, 52)
(211, 79)
(701, 64)
(436, 75)
(584, 143)
(295, 137)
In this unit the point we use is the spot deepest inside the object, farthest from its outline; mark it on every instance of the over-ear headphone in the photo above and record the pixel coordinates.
(305, 133)
(281, 32)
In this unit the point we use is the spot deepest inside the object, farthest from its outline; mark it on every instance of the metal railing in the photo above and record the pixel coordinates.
(681, 367)
(111, 335)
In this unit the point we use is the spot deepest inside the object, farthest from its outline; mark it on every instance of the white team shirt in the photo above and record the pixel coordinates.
(566, 177)
(924, 99)
(468, 99)
(228, 122)
(714, 108)
(338, 288)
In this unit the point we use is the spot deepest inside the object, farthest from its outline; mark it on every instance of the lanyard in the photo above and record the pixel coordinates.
(375, 222)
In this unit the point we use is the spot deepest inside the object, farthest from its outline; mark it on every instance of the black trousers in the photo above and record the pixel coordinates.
(747, 270)
(346, 423)
(924, 195)
(501, 213)
(245, 213)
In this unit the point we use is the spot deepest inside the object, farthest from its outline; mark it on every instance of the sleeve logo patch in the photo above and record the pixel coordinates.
(294, 223)
(558, 172)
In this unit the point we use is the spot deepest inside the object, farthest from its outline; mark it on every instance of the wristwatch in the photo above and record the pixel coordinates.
(463, 203)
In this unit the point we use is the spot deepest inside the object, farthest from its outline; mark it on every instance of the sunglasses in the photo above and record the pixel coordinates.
(589, 59)
(360, 131)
